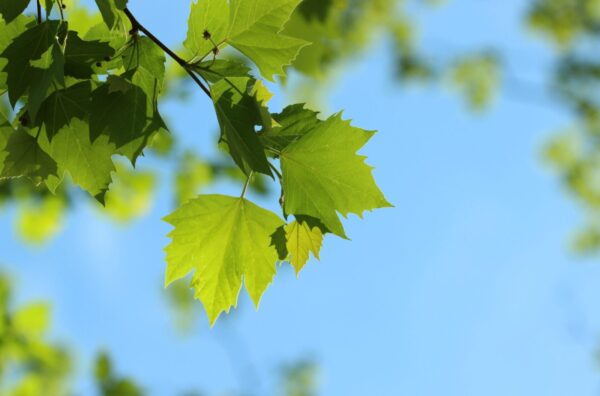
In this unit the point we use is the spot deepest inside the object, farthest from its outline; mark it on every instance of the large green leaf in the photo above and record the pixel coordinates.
(10, 9)
(323, 175)
(223, 240)
(251, 26)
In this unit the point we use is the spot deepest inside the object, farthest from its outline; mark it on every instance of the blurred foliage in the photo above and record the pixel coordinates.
(109, 383)
(573, 26)
(29, 365)
(186, 313)
(300, 379)
(477, 78)
(131, 193)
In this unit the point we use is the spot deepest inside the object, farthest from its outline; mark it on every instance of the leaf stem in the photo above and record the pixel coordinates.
(39, 12)
(274, 169)
(247, 184)
(136, 25)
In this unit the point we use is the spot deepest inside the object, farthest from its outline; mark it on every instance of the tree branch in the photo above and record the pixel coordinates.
(138, 26)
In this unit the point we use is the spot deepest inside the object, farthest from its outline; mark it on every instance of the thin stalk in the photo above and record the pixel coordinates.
(247, 184)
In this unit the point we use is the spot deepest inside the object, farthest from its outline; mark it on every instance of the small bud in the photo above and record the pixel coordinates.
(206, 35)
(64, 6)
(98, 64)
(215, 51)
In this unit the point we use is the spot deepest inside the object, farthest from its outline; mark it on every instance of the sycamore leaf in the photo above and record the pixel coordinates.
(208, 23)
(63, 105)
(146, 63)
(293, 122)
(89, 164)
(119, 111)
(26, 48)
(11, 9)
(255, 31)
(220, 69)
(6, 131)
(45, 71)
(110, 12)
(253, 27)
(302, 239)
(48, 5)
(223, 240)
(323, 175)
(81, 56)
(25, 158)
(8, 33)
(238, 112)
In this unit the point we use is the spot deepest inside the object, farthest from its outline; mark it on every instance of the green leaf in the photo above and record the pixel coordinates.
(323, 175)
(47, 70)
(294, 122)
(29, 47)
(89, 164)
(255, 30)
(64, 105)
(32, 320)
(111, 13)
(302, 239)
(8, 32)
(48, 5)
(253, 27)
(213, 71)
(146, 63)
(6, 131)
(81, 56)
(222, 239)
(130, 195)
(238, 113)
(121, 4)
(206, 16)
(25, 158)
(119, 111)
(11, 9)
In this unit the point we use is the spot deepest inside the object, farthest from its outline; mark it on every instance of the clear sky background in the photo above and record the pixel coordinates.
(466, 287)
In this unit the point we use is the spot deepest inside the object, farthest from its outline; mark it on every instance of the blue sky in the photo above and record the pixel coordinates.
(466, 287)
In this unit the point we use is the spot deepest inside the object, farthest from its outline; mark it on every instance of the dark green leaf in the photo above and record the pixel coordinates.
(81, 56)
(63, 105)
(238, 113)
(118, 111)
(294, 122)
(25, 158)
(10, 9)
(29, 47)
